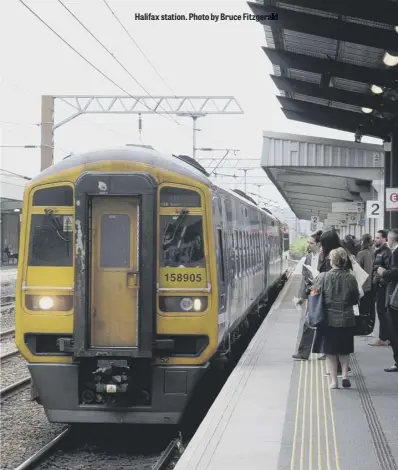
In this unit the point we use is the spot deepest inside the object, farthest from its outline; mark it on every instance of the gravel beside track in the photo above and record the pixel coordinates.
(24, 429)
(7, 319)
(7, 345)
(13, 370)
(107, 448)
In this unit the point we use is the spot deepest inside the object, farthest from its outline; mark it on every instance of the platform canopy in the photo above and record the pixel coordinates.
(335, 62)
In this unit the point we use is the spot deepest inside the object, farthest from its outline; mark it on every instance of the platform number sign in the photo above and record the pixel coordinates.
(314, 219)
(374, 209)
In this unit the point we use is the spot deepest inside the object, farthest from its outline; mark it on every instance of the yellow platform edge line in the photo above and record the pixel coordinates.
(297, 418)
(304, 416)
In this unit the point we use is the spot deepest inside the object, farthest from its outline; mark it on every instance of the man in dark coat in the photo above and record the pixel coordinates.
(381, 259)
(390, 277)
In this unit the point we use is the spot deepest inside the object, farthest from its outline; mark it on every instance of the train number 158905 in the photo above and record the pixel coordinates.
(183, 277)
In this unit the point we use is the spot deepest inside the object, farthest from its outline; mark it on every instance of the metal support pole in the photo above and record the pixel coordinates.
(387, 184)
(245, 170)
(47, 136)
(194, 129)
(140, 126)
(394, 174)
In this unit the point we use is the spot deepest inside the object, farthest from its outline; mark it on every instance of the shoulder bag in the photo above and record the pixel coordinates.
(316, 315)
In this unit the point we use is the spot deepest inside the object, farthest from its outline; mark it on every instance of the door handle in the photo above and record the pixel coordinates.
(133, 279)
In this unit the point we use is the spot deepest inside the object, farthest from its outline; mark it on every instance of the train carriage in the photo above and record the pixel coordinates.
(135, 271)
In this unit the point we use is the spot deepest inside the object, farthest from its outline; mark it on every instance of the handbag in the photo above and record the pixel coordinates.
(316, 313)
(364, 322)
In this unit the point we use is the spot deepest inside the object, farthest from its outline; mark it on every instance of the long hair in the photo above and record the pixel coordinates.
(329, 241)
(350, 245)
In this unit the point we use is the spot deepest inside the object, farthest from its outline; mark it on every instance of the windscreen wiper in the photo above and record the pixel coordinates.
(56, 224)
(171, 228)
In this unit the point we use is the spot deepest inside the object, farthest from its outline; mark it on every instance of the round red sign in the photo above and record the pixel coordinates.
(394, 197)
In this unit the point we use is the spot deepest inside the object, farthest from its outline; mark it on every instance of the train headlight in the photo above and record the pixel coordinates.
(54, 303)
(197, 305)
(177, 304)
(46, 303)
(186, 304)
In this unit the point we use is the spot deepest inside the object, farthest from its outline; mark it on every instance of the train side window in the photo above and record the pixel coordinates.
(56, 196)
(232, 256)
(221, 251)
(237, 256)
(241, 253)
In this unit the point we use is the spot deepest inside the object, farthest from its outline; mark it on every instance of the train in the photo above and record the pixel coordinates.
(136, 274)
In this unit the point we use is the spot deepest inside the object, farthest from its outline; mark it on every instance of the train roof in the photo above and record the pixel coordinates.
(181, 164)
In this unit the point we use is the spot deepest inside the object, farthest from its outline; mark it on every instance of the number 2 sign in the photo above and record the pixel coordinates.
(374, 209)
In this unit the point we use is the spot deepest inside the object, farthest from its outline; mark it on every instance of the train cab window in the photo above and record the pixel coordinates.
(181, 241)
(51, 240)
(179, 197)
(57, 196)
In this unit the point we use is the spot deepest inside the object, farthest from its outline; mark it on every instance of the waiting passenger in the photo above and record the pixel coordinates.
(365, 260)
(312, 259)
(381, 259)
(390, 276)
(340, 293)
(329, 241)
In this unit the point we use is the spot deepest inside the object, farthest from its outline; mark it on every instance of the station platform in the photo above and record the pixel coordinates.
(275, 413)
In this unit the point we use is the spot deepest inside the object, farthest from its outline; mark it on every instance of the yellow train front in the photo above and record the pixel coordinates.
(134, 273)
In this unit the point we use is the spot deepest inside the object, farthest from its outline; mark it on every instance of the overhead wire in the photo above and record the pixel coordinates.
(12, 174)
(114, 58)
(84, 58)
(142, 52)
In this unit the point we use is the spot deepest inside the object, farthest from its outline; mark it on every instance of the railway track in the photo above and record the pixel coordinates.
(173, 450)
(15, 387)
(10, 354)
(7, 333)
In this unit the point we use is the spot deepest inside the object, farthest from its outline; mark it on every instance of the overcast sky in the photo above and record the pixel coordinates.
(192, 57)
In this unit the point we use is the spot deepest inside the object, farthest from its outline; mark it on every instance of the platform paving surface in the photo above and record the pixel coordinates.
(278, 414)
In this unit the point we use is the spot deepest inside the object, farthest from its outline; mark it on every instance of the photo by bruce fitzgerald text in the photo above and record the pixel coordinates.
(216, 17)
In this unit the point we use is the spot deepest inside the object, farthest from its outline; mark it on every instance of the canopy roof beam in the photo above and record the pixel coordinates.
(386, 11)
(336, 29)
(335, 94)
(381, 77)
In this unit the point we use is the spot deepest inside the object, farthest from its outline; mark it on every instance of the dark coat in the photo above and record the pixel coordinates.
(390, 277)
(340, 294)
(381, 259)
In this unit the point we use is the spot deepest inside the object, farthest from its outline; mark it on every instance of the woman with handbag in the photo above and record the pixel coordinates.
(329, 241)
(339, 290)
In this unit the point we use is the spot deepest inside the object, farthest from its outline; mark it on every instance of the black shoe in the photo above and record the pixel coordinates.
(346, 383)
(299, 357)
(393, 368)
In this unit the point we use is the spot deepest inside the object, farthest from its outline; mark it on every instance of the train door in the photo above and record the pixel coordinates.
(114, 272)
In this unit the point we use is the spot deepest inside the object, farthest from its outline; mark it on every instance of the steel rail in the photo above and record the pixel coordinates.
(32, 461)
(7, 333)
(166, 456)
(9, 354)
(7, 391)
